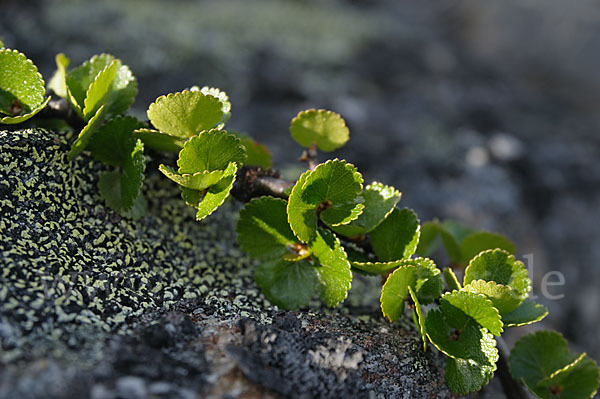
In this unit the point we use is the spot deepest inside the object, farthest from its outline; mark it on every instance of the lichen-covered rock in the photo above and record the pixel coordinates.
(95, 305)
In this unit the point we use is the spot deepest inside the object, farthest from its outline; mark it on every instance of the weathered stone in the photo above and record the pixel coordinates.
(95, 305)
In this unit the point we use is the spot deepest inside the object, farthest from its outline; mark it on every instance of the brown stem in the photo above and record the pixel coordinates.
(254, 181)
(310, 157)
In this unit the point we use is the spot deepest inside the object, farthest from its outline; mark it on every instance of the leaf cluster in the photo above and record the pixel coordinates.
(328, 227)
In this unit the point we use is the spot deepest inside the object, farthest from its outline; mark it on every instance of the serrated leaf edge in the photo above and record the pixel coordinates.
(10, 120)
(321, 111)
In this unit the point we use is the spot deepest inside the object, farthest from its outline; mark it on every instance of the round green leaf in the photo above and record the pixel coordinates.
(22, 88)
(196, 181)
(324, 128)
(263, 230)
(397, 236)
(113, 142)
(379, 202)
(465, 307)
(428, 284)
(208, 202)
(464, 376)
(222, 97)
(471, 349)
(475, 243)
(333, 267)
(543, 362)
(212, 150)
(118, 96)
(185, 114)
(289, 285)
(395, 291)
(499, 266)
(504, 298)
(527, 312)
(577, 380)
(330, 192)
(159, 141)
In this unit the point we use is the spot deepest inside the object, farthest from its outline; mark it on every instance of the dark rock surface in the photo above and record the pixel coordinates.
(96, 306)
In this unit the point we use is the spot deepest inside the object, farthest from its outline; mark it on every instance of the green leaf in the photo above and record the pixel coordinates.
(527, 312)
(432, 234)
(499, 266)
(99, 90)
(133, 176)
(324, 128)
(263, 231)
(120, 190)
(330, 192)
(289, 285)
(418, 317)
(504, 298)
(465, 307)
(22, 88)
(428, 284)
(397, 236)
(464, 376)
(215, 196)
(80, 80)
(471, 349)
(543, 362)
(457, 230)
(124, 90)
(395, 291)
(222, 97)
(451, 279)
(87, 132)
(109, 185)
(113, 142)
(159, 141)
(376, 268)
(257, 154)
(196, 181)
(185, 114)
(58, 82)
(458, 340)
(212, 150)
(475, 243)
(428, 242)
(1, 44)
(577, 380)
(379, 202)
(139, 210)
(333, 267)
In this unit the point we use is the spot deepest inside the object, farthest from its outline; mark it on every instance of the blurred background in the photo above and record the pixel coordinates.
(484, 112)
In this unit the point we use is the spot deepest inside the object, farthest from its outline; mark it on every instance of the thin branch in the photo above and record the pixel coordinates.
(310, 157)
(255, 182)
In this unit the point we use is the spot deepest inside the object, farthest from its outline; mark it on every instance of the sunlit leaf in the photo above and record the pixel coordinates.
(324, 128)
(22, 88)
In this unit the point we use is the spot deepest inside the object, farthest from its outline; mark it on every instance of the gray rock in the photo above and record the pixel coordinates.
(95, 305)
